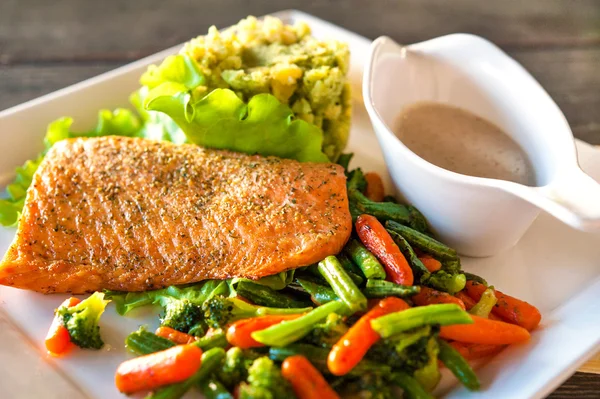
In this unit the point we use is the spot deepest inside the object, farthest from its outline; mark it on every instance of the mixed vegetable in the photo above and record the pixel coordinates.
(380, 317)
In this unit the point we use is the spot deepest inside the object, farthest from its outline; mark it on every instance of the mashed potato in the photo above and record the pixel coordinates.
(268, 56)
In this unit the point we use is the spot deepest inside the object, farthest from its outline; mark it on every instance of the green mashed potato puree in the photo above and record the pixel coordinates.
(268, 56)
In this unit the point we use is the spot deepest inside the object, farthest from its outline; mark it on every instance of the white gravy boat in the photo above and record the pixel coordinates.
(477, 216)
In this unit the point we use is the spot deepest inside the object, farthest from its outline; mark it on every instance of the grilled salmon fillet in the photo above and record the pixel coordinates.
(131, 214)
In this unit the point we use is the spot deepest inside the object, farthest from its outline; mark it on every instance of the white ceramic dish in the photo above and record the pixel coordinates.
(553, 266)
(477, 216)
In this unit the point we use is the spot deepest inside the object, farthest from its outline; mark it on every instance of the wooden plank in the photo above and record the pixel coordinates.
(580, 386)
(26, 82)
(592, 365)
(66, 30)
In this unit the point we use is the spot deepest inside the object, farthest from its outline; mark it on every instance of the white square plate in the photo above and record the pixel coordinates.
(554, 267)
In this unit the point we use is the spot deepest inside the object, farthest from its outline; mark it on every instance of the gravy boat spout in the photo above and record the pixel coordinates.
(478, 216)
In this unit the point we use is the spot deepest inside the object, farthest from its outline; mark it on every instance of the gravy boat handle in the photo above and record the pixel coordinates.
(573, 197)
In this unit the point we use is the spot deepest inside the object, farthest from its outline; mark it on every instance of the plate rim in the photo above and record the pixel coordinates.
(543, 389)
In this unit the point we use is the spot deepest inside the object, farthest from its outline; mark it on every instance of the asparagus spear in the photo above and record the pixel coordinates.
(383, 211)
(458, 365)
(320, 294)
(382, 289)
(366, 261)
(423, 241)
(444, 314)
(287, 332)
(342, 284)
(264, 296)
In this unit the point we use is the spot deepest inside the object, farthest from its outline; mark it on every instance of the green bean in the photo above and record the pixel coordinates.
(412, 389)
(366, 261)
(215, 340)
(443, 314)
(390, 198)
(314, 270)
(144, 342)
(213, 389)
(423, 241)
(320, 294)
(211, 359)
(476, 278)
(356, 180)
(486, 304)
(290, 331)
(388, 210)
(350, 266)
(382, 289)
(342, 284)
(344, 161)
(419, 270)
(264, 296)
(458, 365)
(447, 282)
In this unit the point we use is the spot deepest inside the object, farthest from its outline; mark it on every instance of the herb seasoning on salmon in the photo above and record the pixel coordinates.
(132, 215)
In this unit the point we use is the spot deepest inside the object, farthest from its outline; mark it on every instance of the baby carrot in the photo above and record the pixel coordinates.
(485, 331)
(175, 336)
(239, 333)
(509, 308)
(306, 380)
(469, 303)
(353, 345)
(377, 240)
(432, 264)
(467, 300)
(429, 296)
(375, 191)
(58, 340)
(476, 351)
(151, 371)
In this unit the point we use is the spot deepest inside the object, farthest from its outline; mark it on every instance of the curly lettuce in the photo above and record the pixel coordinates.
(221, 120)
(121, 122)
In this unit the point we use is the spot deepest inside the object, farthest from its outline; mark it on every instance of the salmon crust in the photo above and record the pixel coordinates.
(131, 214)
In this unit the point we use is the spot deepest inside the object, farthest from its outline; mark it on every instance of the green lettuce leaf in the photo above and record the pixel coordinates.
(197, 293)
(155, 125)
(221, 120)
(120, 122)
(11, 207)
(175, 68)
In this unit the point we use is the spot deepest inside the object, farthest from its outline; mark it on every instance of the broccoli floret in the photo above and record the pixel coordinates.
(328, 333)
(220, 311)
(450, 282)
(429, 375)
(370, 386)
(182, 315)
(235, 367)
(82, 321)
(405, 351)
(265, 382)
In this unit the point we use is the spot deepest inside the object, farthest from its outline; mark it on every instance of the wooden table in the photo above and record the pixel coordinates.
(46, 45)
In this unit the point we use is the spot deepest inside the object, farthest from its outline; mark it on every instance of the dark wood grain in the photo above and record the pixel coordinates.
(580, 386)
(46, 45)
(32, 30)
